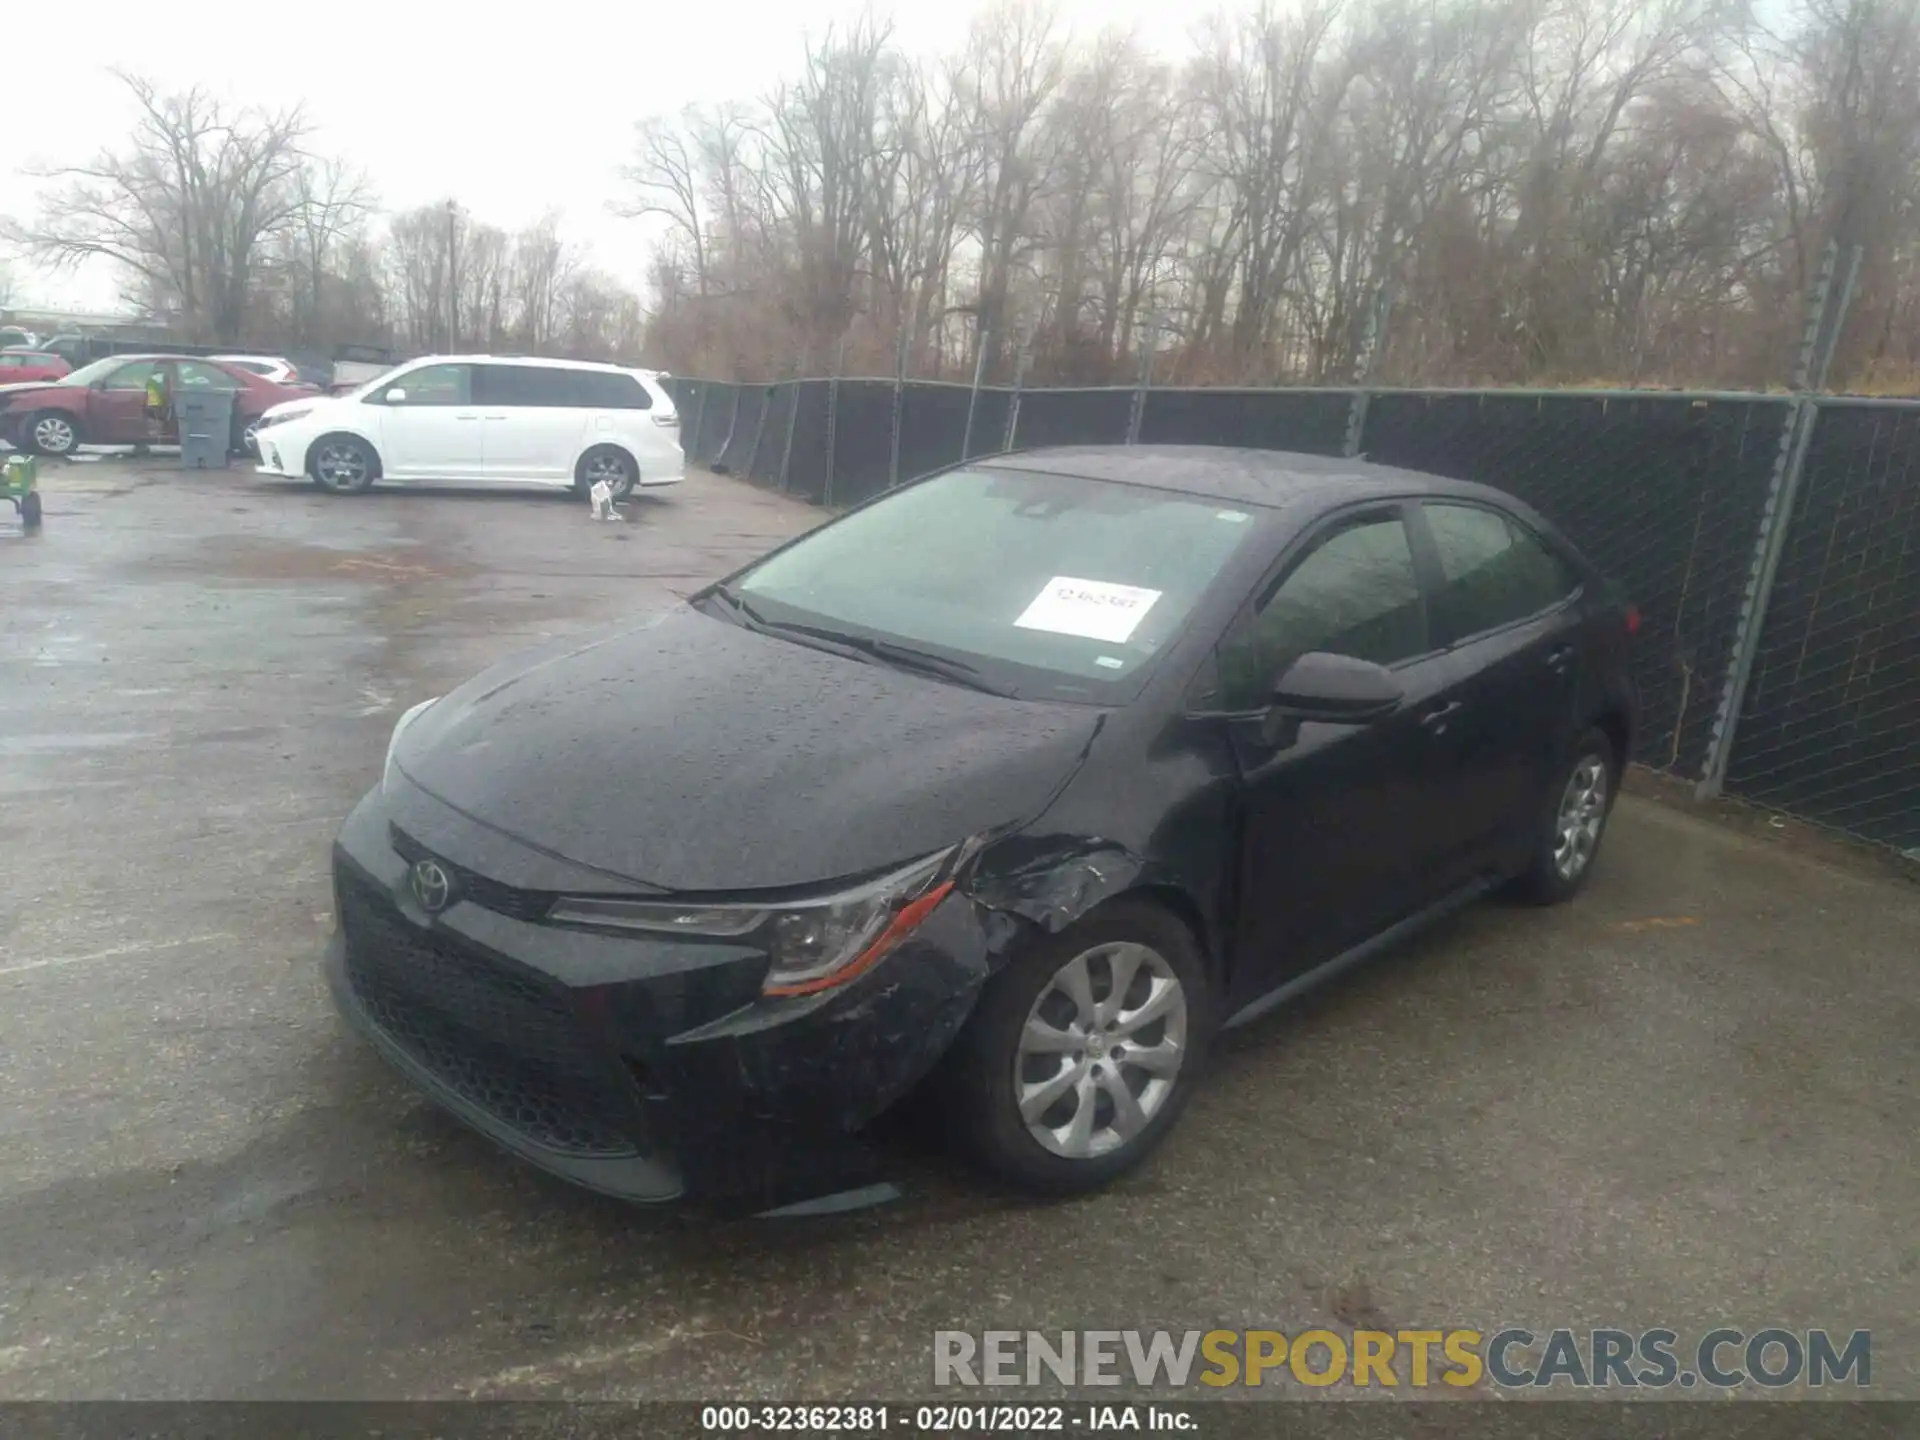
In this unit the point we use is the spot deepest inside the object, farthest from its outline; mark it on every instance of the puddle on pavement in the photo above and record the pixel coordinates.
(64, 743)
(255, 560)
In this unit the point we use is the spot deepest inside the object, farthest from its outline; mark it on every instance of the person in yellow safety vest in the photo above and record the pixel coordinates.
(156, 394)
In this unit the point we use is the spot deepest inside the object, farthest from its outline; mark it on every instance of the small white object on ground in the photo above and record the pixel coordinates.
(601, 497)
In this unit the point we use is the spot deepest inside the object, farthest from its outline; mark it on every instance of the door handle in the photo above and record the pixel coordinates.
(466, 417)
(493, 417)
(1436, 718)
(1560, 657)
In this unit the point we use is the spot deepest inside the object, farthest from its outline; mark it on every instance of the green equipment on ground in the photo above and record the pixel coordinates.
(18, 477)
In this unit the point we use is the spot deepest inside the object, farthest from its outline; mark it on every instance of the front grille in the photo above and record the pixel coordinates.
(470, 885)
(498, 1036)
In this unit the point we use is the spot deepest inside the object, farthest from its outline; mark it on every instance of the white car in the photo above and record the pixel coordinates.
(481, 419)
(281, 372)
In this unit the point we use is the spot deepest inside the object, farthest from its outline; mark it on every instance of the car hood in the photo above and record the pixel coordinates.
(690, 754)
(10, 391)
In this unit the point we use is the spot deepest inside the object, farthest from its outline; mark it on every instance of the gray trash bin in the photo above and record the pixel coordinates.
(206, 427)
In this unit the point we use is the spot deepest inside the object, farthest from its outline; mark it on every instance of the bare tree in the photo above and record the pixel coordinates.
(186, 208)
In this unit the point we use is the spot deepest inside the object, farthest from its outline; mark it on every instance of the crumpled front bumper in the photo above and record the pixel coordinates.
(652, 1070)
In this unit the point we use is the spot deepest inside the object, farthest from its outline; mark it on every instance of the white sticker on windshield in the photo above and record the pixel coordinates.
(1092, 608)
(1111, 662)
(1231, 516)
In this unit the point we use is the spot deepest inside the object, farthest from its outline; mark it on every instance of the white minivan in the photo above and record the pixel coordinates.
(481, 420)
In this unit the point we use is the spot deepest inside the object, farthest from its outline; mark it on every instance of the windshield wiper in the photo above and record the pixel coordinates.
(861, 647)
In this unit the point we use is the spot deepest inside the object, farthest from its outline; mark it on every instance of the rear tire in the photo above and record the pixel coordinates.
(342, 464)
(609, 463)
(1572, 822)
(1050, 1032)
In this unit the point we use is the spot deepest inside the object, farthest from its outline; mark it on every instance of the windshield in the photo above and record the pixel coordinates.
(89, 373)
(382, 378)
(1071, 583)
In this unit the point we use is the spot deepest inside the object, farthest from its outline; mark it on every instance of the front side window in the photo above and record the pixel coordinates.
(1355, 593)
(432, 385)
(1495, 572)
(131, 377)
(1061, 586)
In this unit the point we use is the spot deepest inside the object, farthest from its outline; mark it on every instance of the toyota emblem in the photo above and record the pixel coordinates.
(430, 885)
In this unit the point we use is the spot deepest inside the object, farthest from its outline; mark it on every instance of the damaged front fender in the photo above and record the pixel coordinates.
(1046, 883)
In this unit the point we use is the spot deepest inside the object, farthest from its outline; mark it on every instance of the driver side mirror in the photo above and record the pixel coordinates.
(1337, 689)
(395, 396)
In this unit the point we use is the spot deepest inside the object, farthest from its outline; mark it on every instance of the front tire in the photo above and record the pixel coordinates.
(1572, 822)
(51, 432)
(342, 464)
(608, 463)
(1082, 1051)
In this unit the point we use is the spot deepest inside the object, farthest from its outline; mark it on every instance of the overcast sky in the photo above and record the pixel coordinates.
(512, 118)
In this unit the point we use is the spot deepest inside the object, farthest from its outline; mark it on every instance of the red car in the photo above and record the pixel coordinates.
(19, 367)
(107, 403)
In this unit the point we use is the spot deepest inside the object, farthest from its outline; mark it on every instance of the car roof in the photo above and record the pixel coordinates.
(1270, 478)
(543, 361)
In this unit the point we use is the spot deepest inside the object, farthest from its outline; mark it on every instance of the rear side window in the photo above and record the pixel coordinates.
(534, 386)
(1495, 571)
(606, 390)
(199, 376)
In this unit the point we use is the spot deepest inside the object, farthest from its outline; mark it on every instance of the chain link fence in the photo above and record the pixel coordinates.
(1669, 493)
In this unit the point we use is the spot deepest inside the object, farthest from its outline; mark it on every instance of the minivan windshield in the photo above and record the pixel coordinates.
(1051, 585)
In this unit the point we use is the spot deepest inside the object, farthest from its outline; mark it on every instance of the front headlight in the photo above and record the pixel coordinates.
(267, 422)
(393, 740)
(814, 944)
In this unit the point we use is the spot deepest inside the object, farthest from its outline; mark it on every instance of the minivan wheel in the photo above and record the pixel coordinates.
(608, 463)
(52, 433)
(1081, 1052)
(342, 464)
(1573, 821)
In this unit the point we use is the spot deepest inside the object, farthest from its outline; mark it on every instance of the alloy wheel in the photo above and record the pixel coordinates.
(1583, 810)
(53, 434)
(340, 466)
(1101, 1050)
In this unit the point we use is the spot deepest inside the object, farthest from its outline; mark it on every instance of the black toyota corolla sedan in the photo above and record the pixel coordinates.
(1006, 790)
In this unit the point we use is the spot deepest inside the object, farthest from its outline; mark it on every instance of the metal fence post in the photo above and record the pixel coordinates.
(1372, 341)
(899, 403)
(690, 438)
(793, 416)
(759, 433)
(733, 420)
(1817, 343)
(973, 396)
(833, 419)
(1020, 358)
(1137, 410)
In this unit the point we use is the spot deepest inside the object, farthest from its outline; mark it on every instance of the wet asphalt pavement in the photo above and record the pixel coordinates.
(1685, 1100)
